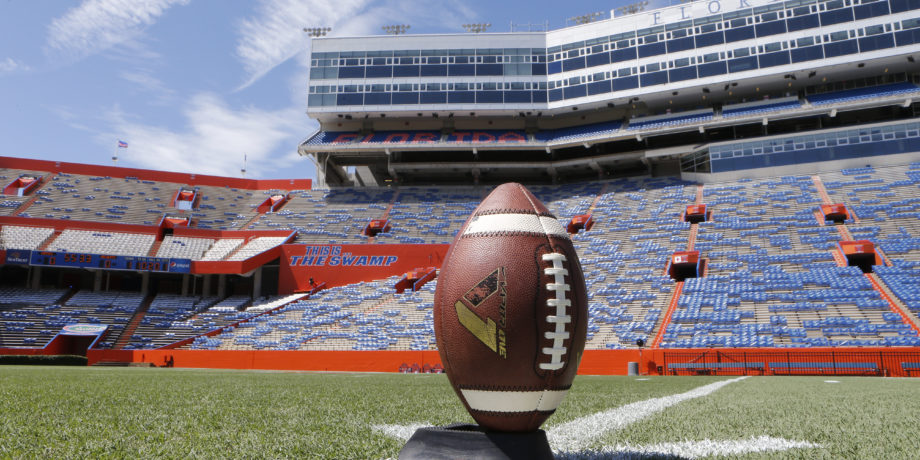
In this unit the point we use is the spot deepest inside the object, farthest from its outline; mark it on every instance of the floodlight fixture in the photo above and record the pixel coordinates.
(315, 32)
(632, 8)
(585, 18)
(530, 27)
(396, 29)
(477, 28)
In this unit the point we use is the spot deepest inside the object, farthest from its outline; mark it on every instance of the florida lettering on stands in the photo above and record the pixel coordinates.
(332, 256)
(425, 137)
(695, 10)
(99, 261)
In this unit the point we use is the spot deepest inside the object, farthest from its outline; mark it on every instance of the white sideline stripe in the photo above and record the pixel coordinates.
(623, 416)
(578, 433)
(513, 401)
(689, 449)
(401, 432)
(529, 223)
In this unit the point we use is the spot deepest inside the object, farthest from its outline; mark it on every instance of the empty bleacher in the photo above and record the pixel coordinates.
(771, 275)
(30, 318)
(184, 247)
(221, 248)
(102, 242)
(670, 120)
(861, 94)
(365, 316)
(257, 246)
(329, 216)
(17, 237)
(430, 214)
(763, 107)
(133, 201)
(578, 133)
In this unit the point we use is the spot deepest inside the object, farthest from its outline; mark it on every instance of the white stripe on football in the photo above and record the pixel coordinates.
(513, 401)
(528, 223)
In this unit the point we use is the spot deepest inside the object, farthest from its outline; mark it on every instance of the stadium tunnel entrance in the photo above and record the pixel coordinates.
(261, 282)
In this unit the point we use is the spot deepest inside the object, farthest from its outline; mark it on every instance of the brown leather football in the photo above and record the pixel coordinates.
(511, 311)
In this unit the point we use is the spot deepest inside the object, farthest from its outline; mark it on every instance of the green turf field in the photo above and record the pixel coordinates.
(55, 412)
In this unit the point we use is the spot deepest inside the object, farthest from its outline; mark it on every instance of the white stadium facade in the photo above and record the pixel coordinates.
(708, 90)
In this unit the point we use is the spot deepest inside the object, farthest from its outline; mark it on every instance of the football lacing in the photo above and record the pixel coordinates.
(560, 318)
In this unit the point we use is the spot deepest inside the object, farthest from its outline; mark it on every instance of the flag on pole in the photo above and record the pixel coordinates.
(122, 144)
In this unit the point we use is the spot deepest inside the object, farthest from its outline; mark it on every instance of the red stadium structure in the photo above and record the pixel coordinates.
(252, 255)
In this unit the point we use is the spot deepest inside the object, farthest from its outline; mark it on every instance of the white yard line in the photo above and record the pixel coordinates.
(688, 449)
(401, 432)
(579, 433)
(570, 440)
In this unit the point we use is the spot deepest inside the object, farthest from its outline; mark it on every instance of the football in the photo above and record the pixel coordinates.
(510, 311)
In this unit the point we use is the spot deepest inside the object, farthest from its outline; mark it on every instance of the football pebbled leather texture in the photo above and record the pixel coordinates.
(510, 312)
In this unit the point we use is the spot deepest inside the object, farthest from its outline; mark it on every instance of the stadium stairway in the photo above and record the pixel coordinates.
(35, 197)
(897, 305)
(236, 249)
(129, 329)
(251, 221)
(386, 212)
(666, 319)
(26, 204)
(154, 248)
(49, 240)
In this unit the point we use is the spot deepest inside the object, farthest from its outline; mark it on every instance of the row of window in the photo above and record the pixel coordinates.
(739, 21)
(594, 55)
(742, 59)
(801, 43)
(818, 140)
(796, 149)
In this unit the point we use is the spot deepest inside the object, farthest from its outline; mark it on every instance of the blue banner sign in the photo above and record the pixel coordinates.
(101, 261)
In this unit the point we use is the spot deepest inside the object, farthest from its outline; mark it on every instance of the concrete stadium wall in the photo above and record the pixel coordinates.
(802, 168)
(341, 264)
(158, 176)
(594, 362)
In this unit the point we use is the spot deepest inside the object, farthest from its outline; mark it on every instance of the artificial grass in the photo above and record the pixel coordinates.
(55, 412)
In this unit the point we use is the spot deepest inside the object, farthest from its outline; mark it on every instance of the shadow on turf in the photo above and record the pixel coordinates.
(619, 455)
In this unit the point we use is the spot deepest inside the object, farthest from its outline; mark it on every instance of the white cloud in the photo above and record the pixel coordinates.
(215, 140)
(97, 25)
(9, 65)
(144, 81)
(276, 34)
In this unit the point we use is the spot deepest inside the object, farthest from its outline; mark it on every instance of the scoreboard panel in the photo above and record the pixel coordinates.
(109, 262)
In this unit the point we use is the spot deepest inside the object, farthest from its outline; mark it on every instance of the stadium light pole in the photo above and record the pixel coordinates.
(585, 18)
(632, 8)
(531, 27)
(477, 28)
(315, 32)
(396, 29)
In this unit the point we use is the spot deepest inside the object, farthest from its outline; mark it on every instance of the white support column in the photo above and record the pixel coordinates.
(221, 286)
(36, 277)
(97, 281)
(257, 283)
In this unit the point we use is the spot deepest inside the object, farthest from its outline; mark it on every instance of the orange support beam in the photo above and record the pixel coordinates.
(691, 241)
(597, 199)
(672, 305)
(891, 303)
(825, 198)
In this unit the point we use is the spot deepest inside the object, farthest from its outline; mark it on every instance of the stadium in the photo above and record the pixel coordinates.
(741, 181)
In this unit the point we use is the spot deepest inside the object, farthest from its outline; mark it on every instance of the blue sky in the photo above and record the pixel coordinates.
(194, 85)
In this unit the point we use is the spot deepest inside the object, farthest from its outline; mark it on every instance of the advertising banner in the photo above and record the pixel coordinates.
(341, 264)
